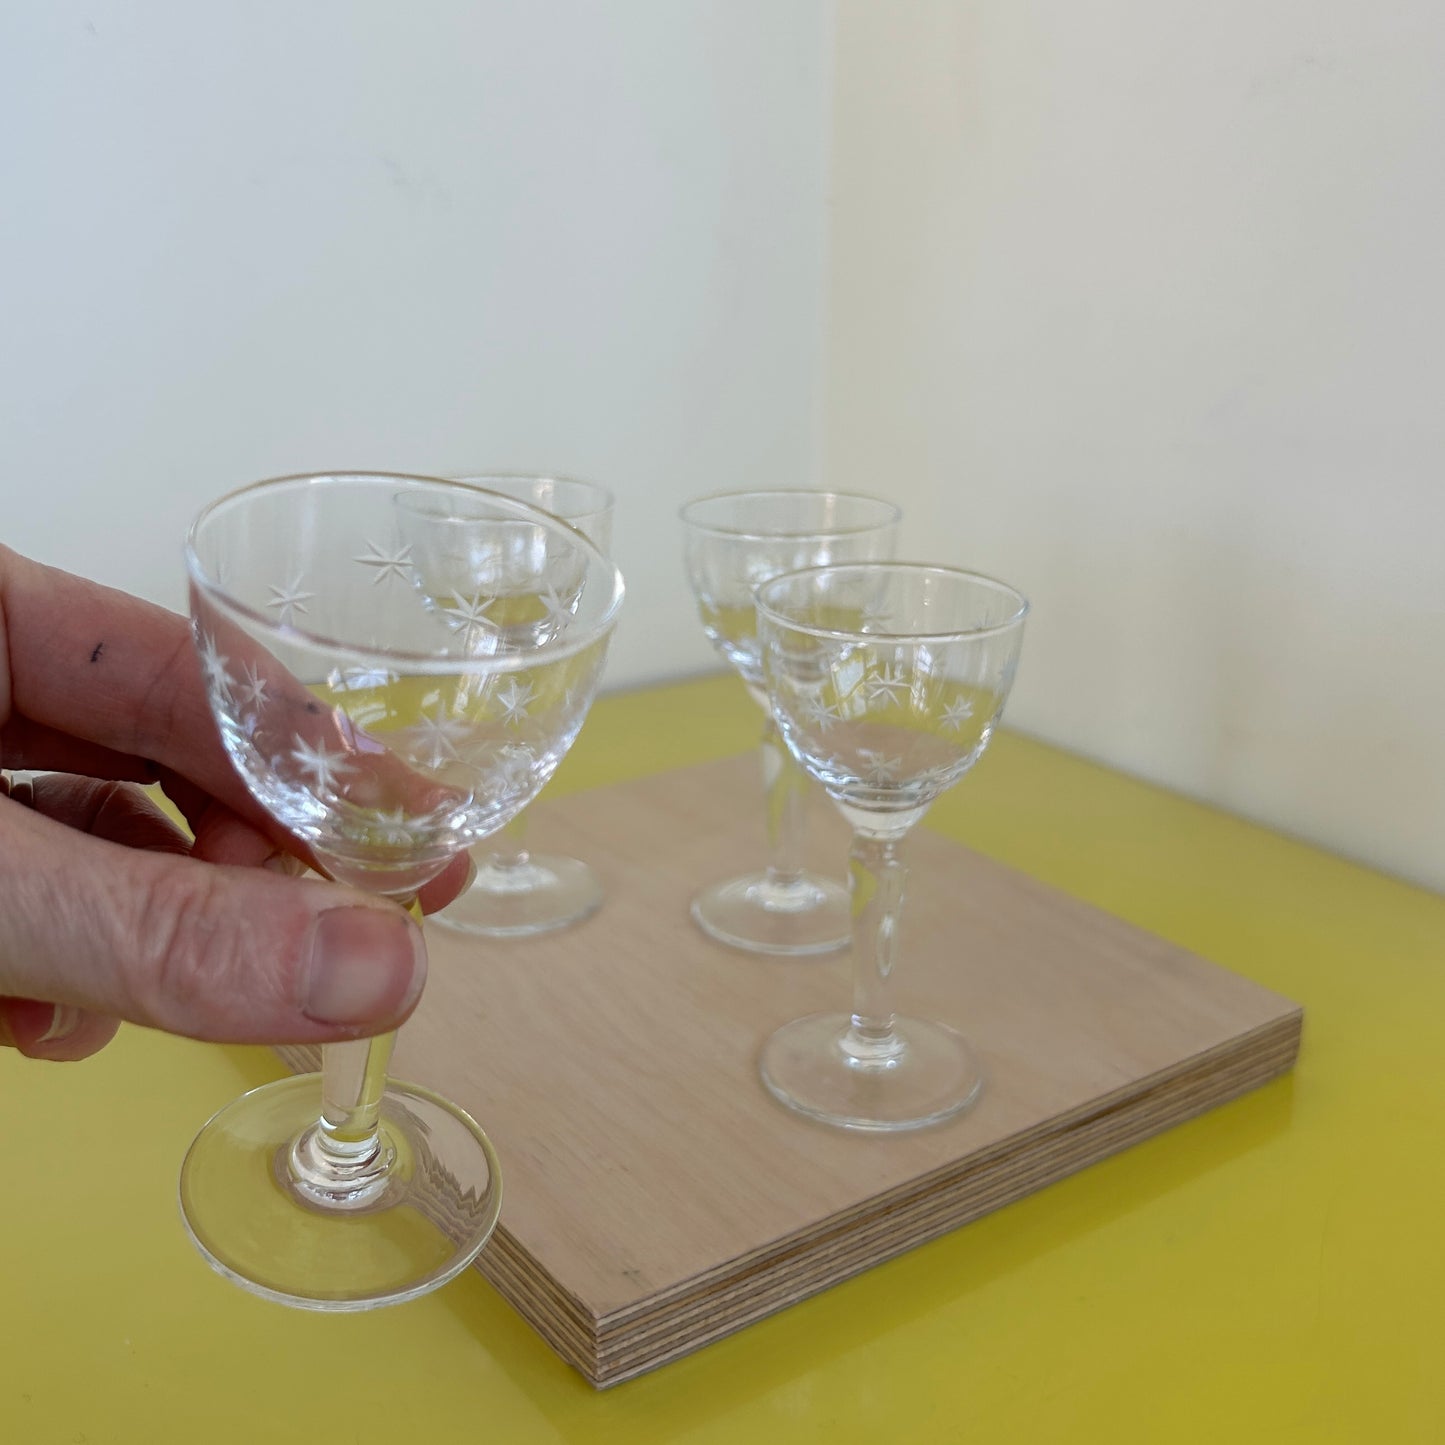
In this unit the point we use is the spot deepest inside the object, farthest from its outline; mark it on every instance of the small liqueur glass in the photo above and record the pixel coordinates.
(516, 892)
(389, 703)
(887, 681)
(735, 542)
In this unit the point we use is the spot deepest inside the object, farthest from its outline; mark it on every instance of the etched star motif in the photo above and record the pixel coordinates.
(435, 736)
(289, 600)
(514, 700)
(887, 685)
(386, 564)
(817, 713)
(468, 616)
(213, 664)
(393, 829)
(956, 713)
(252, 692)
(517, 761)
(878, 769)
(508, 770)
(559, 612)
(320, 765)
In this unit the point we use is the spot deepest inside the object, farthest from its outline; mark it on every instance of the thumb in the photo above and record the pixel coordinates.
(237, 955)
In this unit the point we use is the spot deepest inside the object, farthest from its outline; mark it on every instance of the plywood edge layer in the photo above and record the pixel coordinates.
(1281, 1033)
(1096, 1141)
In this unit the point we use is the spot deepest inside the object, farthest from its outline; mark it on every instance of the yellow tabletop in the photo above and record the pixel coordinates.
(1272, 1271)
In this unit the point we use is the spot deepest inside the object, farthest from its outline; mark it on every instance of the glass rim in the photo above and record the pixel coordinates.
(424, 662)
(953, 634)
(606, 497)
(746, 534)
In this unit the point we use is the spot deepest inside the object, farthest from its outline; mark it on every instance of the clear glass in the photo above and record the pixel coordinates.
(396, 666)
(516, 892)
(736, 541)
(887, 682)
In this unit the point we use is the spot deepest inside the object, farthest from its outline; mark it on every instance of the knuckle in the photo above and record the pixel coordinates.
(199, 968)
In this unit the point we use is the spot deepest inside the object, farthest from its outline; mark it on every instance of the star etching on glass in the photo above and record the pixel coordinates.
(514, 700)
(289, 600)
(468, 616)
(434, 738)
(323, 767)
(559, 613)
(393, 829)
(213, 664)
(387, 565)
(818, 714)
(252, 692)
(887, 685)
(956, 713)
(507, 771)
(878, 769)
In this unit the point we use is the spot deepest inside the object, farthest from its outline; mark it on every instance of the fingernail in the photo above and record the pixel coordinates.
(367, 966)
(63, 1022)
(286, 864)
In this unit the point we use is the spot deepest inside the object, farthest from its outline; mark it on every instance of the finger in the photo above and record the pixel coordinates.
(232, 954)
(62, 1032)
(26, 745)
(222, 837)
(249, 839)
(304, 734)
(54, 1031)
(122, 678)
(30, 746)
(119, 812)
(449, 884)
(124, 814)
(109, 670)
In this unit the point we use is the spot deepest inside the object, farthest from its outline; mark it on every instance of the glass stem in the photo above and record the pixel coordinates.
(785, 785)
(877, 878)
(353, 1078)
(341, 1162)
(507, 850)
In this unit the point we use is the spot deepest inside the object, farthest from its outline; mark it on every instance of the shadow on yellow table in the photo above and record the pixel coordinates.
(1272, 1271)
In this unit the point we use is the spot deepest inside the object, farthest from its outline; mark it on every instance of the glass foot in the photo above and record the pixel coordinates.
(822, 1068)
(512, 901)
(423, 1223)
(758, 915)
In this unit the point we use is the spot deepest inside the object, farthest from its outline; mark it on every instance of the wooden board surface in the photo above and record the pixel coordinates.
(656, 1197)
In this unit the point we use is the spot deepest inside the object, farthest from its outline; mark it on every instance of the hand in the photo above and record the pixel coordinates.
(107, 910)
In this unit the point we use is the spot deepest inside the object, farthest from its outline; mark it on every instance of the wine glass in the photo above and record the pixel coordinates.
(516, 892)
(887, 681)
(736, 541)
(385, 704)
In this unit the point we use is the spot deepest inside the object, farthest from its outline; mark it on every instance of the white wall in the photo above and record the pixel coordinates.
(1140, 305)
(244, 238)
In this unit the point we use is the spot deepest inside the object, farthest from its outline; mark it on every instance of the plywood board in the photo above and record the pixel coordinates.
(657, 1198)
